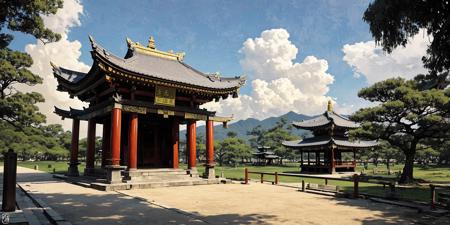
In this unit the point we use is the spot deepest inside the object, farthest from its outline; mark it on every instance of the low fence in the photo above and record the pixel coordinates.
(440, 195)
(356, 179)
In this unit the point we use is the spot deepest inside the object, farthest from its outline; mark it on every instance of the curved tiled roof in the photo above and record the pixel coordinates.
(325, 119)
(166, 69)
(322, 141)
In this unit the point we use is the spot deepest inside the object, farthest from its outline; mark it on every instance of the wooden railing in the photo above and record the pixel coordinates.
(356, 179)
(433, 188)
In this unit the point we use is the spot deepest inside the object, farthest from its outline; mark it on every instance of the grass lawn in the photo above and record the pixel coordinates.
(418, 193)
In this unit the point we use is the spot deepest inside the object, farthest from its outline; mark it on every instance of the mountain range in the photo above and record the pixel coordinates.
(242, 127)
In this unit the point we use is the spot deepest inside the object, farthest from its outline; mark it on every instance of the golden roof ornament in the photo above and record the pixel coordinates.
(330, 106)
(151, 43)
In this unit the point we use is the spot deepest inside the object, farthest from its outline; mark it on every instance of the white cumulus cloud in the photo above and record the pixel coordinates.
(368, 60)
(63, 53)
(280, 84)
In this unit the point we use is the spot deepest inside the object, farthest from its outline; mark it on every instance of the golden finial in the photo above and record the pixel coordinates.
(330, 106)
(151, 43)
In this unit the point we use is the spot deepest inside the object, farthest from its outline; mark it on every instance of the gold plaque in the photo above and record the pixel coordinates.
(136, 109)
(195, 116)
(166, 113)
(165, 96)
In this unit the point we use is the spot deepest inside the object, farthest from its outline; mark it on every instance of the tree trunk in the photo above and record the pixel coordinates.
(388, 166)
(407, 174)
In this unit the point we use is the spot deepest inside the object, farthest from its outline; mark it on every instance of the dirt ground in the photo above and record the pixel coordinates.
(267, 204)
(211, 204)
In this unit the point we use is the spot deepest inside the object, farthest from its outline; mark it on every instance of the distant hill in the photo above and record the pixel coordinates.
(241, 127)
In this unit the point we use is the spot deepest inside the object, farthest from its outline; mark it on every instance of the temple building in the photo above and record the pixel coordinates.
(141, 100)
(264, 156)
(329, 143)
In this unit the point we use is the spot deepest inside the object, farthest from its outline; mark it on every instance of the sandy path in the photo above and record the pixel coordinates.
(268, 204)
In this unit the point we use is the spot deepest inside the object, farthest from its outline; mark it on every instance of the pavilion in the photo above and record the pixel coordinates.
(141, 100)
(330, 141)
(264, 156)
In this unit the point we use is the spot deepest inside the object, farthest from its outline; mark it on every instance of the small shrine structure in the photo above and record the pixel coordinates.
(264, 156)
(330, 141)
(141, 100)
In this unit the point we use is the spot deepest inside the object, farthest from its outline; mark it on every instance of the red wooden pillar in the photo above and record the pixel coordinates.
(116, 122)
(210, 143)
(73, 165)
(90, 152)
(106, 141)
(192, 144)
(175, 142)
(332, 161)
(75, 141)
(132, 141)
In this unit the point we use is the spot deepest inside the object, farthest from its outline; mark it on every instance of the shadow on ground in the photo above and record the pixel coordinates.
(115, 208)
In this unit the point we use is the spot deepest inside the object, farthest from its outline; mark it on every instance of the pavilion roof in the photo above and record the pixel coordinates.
(327, 118)
(326, 141)
(147, 64)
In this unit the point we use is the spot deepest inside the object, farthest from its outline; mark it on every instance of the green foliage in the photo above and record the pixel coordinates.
(405, 116)
(26, 17)
(38, 143)
(232, 150)
(19, 108)
(273, 137)
(393, 22)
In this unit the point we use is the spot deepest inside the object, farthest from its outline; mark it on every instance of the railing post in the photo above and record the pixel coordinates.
(326, 181)
(9, 181)
(433, 196)
(262, 178)
(276, 177)
(303, 185)
(355, 186)
(245, 176)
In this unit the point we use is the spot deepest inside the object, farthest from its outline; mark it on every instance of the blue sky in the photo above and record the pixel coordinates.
(212, 33)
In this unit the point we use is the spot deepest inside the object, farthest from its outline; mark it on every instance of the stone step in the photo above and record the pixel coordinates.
(148, 184)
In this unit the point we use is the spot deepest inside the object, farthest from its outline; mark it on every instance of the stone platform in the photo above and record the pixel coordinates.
(144, 178)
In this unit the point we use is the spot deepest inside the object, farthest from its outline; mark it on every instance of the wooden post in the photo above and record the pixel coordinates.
(303, 185)
(9, 181)
(276, 178)
(192, 144)
(73, 164)
(433, 196)
(116, 125)
(175, 142)
(210, 142)
(106, 141)
(301, 158)
(355, 186)
(245, 176)
(262, 178)
(309, 162)
(133, 142)
(90, 151)
(326, 181)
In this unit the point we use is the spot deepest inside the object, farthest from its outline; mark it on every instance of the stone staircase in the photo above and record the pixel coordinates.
(157, 175)
(154, 178)
(145, 178)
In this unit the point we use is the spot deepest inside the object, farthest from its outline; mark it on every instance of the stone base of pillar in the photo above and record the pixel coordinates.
(132, 175)
(193, 172)
(210, 172)
(73, 170)
(332, 170)
(113, 173)
(89, 171)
